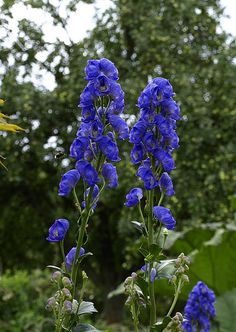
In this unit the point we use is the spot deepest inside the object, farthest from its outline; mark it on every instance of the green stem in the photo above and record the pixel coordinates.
(142, 217)
(62, 251)
(77, 204)
(175, 298)
(150, 242)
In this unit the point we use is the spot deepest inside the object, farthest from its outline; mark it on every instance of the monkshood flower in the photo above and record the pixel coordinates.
(110, 175)
(166, 185)
(154, 135)
(88, 172)
(95, 196)
(68, 182)
(58, 230)
(134, 197)
(199, 309)
(164, 216)
(71, 256)
(153, 272)
(103, 66)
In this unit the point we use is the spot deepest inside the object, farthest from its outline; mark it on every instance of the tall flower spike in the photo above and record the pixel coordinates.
(199, 309)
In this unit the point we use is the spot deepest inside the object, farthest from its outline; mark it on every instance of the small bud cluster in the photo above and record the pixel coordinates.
(62, 299)
(181, 268)
(176, 324)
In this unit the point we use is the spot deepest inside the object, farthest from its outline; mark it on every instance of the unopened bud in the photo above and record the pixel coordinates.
(165, 232)
(173, 279)
(51, 304)
(66, 282)
(185, 278)
(56, 276)
(134, 275)
(128, 281)
(84, 275)
(67, 306)
(66, 293)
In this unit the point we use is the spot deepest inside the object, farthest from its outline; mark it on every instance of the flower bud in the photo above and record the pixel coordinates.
(51, 304)
(134, 275)
(67, 282)
(56, 276)
(165, 232)
(185, 278)
(128, 281)
(66, 293)
(173, 279)
(67, 306)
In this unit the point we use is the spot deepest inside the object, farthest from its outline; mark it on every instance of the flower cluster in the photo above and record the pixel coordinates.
(95, 147)
(154, 137)
(199, 309)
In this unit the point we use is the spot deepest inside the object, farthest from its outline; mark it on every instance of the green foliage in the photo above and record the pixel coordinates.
(23, 296)
(226, 310)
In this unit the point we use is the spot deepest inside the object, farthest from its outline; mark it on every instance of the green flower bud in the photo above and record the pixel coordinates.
(56, 276)
(67, 306)
(66, 293)
(51, 304)
(67, 282)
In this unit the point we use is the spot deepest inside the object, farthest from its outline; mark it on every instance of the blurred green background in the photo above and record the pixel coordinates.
(178, 40)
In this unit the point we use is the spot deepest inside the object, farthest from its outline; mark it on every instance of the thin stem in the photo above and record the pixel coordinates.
(175, 297)
(150, 242)
(62, 251)
(142, 217)
(77, 204)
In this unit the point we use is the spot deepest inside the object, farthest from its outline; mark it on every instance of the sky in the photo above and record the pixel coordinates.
(81, 22)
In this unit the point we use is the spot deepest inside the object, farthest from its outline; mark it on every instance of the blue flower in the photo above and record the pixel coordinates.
(58, 230)
(165, 158)
(164, 216)
(110, 175)
(170, 108)
(70, 257)
(78, 147)
(137, 132)
(104, 66)
(108, 147)
(153, 274)
(147, 176)
(87, 97)
(166, 185)
(199, 309)
(119, 126)
(95, 196)
(95, 128)
(137, 154)
(88, 113)
(88, 172)
(68, 182)
(133, 197)
(150, 141)
(102, 85)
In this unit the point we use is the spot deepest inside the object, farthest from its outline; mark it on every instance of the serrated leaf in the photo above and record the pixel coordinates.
(155, 250)
(86, 308)
(85, 328)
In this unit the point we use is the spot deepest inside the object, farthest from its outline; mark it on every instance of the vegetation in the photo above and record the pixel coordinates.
(179, 40)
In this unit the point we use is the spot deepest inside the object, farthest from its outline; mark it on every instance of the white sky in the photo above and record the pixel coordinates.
(82, 21)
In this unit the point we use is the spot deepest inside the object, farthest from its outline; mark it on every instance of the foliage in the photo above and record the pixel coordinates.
(23, 302)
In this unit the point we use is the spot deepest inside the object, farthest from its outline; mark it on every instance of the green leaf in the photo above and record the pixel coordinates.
(85, 328)
(138, 225)
(226, 311)
(55, 268)
(143, 285)
(160, 326)
(86, 308)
